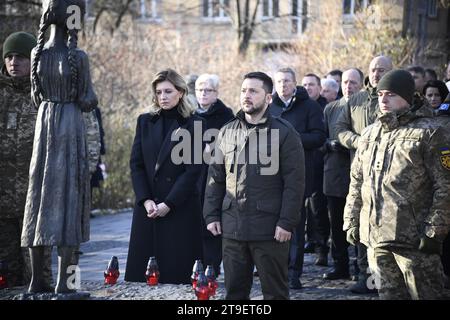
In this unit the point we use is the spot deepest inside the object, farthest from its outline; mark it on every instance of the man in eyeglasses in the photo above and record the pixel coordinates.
(293, 103)
(216, 114)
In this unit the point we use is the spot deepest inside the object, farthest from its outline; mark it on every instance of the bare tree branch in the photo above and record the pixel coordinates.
(122, 12)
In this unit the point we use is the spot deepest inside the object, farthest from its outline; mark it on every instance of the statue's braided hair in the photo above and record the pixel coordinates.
(43, 26)
(73, 40)
(72, 44)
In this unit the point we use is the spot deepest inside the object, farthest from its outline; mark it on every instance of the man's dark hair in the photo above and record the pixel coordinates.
(267, 81)
(431, 73)
(335, 72)
(417, 69)
(313, 75)
(440, 85)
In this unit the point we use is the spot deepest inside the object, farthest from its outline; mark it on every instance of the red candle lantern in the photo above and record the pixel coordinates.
(3, 274)
(112, 271)
(201, 289)
(198, 267)
(152, 273)
(211, 278)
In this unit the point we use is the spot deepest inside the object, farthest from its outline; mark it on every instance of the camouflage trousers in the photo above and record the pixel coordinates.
(404, 274)
(17, 258)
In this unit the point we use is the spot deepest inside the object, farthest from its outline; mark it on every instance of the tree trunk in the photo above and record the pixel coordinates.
(246, 22)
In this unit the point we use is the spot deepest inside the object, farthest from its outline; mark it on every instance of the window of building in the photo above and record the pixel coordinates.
(89, 9)
(270, 9)
(299, 13)
(432, 9)
(215, 10)
(353, 6)
(149, 10)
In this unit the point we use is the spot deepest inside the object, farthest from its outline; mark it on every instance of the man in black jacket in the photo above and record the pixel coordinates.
(292, 103)
(254, 193)
(337, 176)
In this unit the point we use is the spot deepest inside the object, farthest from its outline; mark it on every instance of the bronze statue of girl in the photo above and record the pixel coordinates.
(58, 198)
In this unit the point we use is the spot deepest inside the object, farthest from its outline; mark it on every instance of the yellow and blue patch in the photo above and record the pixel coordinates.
(445, 158)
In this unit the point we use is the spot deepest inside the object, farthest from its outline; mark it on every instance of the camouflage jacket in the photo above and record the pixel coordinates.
(400, 180)
(17, 121)
(359, 112)
(92, 139)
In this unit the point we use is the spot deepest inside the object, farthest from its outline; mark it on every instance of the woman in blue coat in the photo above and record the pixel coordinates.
(166, 219)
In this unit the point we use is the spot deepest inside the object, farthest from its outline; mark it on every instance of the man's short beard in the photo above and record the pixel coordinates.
(255, 109)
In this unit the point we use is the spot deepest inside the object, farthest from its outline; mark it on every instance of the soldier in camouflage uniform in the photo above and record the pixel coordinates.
(92, 139)
(398, 203)
(443, 118)
(17, 120)
(93, 146)
(359, 112)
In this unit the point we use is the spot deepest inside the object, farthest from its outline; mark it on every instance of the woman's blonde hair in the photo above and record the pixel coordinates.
(185, 108)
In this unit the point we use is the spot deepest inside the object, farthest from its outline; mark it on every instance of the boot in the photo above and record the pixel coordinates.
(294, 280)
(38, 283)
(310, 247)
(338, 272)
(65, 255)
(361, 287)
(295, 284)
(322, 259)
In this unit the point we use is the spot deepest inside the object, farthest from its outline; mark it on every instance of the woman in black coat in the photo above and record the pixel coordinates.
(167, 213)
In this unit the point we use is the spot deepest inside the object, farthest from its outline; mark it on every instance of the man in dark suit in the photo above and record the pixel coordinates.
(292, 103)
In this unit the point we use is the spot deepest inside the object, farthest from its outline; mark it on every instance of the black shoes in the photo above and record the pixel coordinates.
(336, 274)
(295, 284)
(321, 260)
(310, 247)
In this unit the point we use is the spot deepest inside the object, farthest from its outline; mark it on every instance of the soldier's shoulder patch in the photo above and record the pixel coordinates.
(444, 106)
(445, 157)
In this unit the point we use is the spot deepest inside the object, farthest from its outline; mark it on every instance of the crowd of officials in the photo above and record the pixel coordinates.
(396, 214)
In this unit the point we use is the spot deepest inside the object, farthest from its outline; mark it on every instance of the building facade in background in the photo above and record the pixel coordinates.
(274, 24)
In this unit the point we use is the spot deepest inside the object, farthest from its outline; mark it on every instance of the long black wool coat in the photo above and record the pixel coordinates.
(175, 239)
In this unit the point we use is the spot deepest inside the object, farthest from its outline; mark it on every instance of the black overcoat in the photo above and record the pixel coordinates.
(175, 239)
(217, 115)
(306, 116)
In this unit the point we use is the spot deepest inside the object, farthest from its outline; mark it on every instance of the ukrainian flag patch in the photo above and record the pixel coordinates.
(445, 151)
